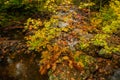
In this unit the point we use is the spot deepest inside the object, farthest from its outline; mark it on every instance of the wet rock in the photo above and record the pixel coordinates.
(9, 60)
(20, 67)
(23, 69)
(116, 75)
(62, 24)
(88, 36)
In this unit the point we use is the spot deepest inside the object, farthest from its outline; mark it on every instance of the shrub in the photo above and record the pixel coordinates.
(108, 23)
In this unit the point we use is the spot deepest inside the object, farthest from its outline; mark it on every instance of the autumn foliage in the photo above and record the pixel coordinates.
(66, 38)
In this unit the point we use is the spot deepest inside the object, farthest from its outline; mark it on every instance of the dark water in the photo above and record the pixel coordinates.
(22, 69)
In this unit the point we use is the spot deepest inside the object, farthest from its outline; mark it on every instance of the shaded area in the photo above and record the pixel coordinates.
(17, 63)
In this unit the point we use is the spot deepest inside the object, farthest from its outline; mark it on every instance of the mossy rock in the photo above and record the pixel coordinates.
(64, 72)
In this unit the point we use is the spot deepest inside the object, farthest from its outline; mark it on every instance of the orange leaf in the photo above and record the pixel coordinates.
(56, 48)
(42, 70)
(54, 66)
(49, 47)
(48, 66)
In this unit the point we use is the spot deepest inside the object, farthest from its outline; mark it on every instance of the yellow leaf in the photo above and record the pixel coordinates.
(65, 58)
(70, 64)
(45, 54)
(80, 64)
(77, 54)
(49, 47)
(65, 29)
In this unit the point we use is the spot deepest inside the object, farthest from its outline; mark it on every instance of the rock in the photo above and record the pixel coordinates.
(1, 52)
(62, 24)
(64, 72)
(24, 69)
(116, 75)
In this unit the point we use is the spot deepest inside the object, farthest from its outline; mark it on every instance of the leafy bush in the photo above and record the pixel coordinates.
(42, 37)
(48, 38)
(108, 23)
(53, 37)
